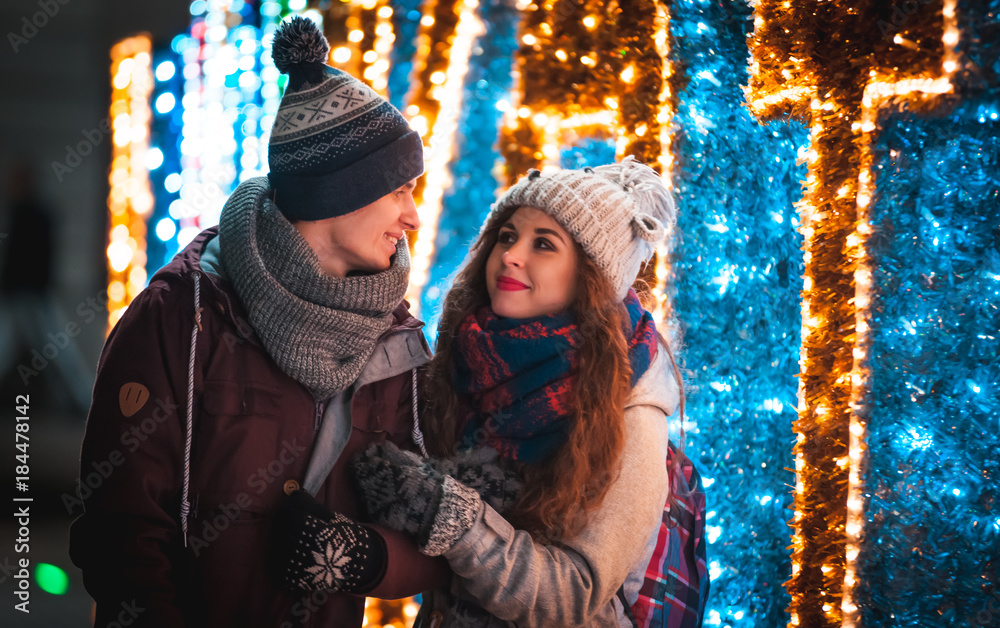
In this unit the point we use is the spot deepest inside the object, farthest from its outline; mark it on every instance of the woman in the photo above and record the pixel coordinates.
(545, 356)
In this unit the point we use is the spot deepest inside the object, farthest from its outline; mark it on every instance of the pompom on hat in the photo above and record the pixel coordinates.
(618, 212)
(336, 145)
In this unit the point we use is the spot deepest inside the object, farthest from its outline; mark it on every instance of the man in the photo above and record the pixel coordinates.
(261, 359)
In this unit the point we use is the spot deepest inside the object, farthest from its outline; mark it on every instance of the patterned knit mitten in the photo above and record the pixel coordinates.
(484, 471)
(408, 494)
(315, 549)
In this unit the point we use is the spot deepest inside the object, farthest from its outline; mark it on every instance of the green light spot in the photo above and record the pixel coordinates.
(51, 579)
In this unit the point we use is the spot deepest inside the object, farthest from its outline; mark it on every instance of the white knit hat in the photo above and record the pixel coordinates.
(618, 212)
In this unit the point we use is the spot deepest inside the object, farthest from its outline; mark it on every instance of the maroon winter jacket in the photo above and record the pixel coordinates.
(253, 430)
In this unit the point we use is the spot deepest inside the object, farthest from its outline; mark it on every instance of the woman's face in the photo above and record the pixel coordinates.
(532, 269)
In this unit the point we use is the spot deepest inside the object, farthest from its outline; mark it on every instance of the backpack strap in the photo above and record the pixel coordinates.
(628, 609)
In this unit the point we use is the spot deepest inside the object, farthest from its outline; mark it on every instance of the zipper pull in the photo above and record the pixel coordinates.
(318, 418)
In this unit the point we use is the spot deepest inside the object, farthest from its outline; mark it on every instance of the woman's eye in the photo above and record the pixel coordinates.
(506, 237)
(542, 243)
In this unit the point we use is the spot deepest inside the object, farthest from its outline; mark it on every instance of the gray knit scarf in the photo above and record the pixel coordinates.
(320, 330)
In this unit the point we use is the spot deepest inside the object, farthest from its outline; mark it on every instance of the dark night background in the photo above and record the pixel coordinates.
(56, 88)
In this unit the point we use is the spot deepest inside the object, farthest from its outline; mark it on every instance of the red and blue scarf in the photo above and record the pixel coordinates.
(515, 377)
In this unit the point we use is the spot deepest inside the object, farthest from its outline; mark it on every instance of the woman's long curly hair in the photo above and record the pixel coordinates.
(561, 491)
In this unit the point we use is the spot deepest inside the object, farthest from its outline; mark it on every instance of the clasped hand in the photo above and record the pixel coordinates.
(435, 501)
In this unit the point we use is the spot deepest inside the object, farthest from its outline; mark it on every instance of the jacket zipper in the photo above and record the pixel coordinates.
(318, 418)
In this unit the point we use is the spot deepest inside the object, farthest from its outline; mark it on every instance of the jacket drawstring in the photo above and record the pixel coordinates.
(418, 436)
(185, 502)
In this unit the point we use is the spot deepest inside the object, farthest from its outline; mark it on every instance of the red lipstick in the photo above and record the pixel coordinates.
(506, 283)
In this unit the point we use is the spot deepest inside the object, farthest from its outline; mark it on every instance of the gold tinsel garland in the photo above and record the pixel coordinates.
(593, 68)
(360, 35)
(437, 31)
(640, 104)
(578, 61)
(834, 66)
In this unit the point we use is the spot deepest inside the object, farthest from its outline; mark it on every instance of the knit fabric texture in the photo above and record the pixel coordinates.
(515, 378)
(319, 329)
(399, 489)
(391, 484)
(336, 145)
(483, 470)
(406, 493)
(459, 508)
(617, 212)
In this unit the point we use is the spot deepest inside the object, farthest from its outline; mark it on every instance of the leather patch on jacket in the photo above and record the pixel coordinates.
(132, 397)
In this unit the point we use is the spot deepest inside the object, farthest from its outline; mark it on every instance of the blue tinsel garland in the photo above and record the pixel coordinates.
(931, 556)
(738, 275)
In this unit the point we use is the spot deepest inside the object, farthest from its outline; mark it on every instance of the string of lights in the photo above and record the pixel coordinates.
(443, 87)
(466, 203)
(378, 72)
(214, 100)
(880, 92)
(130, 199)
(664, 118)
(779, 84)
(843, 110)
(361, 38)
(567, 81)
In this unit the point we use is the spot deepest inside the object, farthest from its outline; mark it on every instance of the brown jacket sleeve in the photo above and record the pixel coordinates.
(408, 572)
(127, 541)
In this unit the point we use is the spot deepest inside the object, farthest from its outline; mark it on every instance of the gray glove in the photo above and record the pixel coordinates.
(484, 471)
(422, 498)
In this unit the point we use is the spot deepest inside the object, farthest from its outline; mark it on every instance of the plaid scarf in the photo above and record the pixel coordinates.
(515, 377)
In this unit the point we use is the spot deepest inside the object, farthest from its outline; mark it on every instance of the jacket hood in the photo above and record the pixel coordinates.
(187, 259)
(657, 387)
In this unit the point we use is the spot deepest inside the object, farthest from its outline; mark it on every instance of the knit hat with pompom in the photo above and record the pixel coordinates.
(336, 145)
(617, 212)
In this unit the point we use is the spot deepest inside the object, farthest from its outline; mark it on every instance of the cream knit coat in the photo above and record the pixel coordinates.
(520, 582)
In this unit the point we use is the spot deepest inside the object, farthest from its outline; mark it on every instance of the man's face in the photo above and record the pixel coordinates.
(365, 239)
